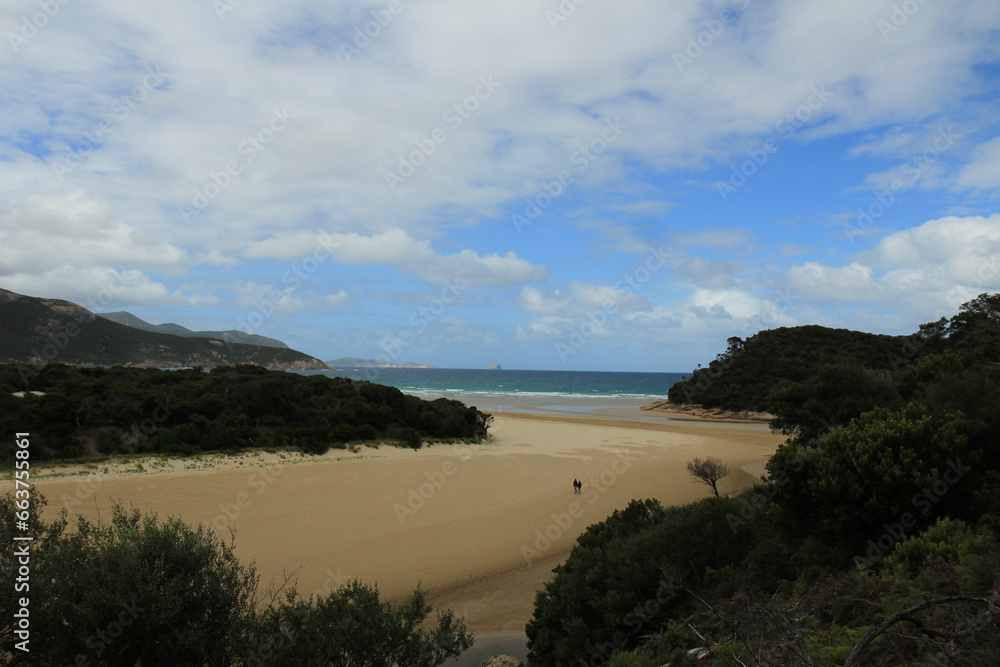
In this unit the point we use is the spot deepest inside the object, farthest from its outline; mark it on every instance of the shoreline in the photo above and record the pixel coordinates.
(479, 526)
(694, 411)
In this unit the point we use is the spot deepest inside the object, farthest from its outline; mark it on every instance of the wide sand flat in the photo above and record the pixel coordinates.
(478, 526)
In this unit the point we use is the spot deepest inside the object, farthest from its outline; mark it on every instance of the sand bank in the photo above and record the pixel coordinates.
(479, 526)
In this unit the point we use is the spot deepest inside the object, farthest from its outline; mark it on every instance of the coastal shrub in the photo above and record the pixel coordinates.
(138, 590)
(831, 397)
(353, 626)
(133, 590)
(887, 472)
(627, 575)
(230, 408)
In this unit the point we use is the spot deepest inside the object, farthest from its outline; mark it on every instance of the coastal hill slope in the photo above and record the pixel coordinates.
(743, 377)
(37, 331)
(128, 319)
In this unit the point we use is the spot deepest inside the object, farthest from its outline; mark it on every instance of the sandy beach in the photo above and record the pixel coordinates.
(478, 526)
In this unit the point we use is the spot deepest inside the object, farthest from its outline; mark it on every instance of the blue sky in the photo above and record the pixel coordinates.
(544, 185)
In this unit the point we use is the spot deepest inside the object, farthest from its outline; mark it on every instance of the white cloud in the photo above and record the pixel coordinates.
(579, 299)
(339, 299)
(397, 248)
(983, 171)
(102, 288)
(853, 282)
(268, 299)
(75, 229)
(930, 268)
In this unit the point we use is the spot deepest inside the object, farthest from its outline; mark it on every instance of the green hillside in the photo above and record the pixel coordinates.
(36, 331)
(742, 377)
(233, 335)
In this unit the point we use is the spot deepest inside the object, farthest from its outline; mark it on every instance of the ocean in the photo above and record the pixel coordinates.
(522, 391)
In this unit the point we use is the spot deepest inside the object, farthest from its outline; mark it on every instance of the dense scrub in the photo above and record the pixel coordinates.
(874, 539)
(118, 410)
(137, 590)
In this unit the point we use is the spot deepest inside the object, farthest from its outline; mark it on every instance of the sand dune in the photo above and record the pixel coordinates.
(478, 526)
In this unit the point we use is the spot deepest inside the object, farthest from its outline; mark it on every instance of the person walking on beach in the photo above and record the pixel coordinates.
(577, 485)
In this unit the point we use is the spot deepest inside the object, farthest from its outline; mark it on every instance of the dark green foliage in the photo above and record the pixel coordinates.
(744, 377)
(140, 591)
(624, 578)
(135, 590)
(875, 538)
(886, 468)
(123, 410)
(352, 626)
(831, 397)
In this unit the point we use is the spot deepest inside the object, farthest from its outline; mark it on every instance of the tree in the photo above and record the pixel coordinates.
(708, 471)
(353, 626)
(129, 591)
(854, 484)
(832, 396)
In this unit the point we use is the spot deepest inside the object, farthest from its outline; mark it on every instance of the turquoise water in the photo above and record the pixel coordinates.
(538, 391)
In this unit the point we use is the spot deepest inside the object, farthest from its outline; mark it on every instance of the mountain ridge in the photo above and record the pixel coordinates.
(35, 331)
(233, 335)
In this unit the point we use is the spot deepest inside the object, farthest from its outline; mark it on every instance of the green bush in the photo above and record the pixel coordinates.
(228, 409)
(140, 591)
(134, 590)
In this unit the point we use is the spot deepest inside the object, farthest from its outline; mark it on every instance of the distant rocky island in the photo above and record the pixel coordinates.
(494, 367)
(357, 362)
(36, 331)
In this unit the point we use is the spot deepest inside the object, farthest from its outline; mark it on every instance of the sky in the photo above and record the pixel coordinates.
(574, 185)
